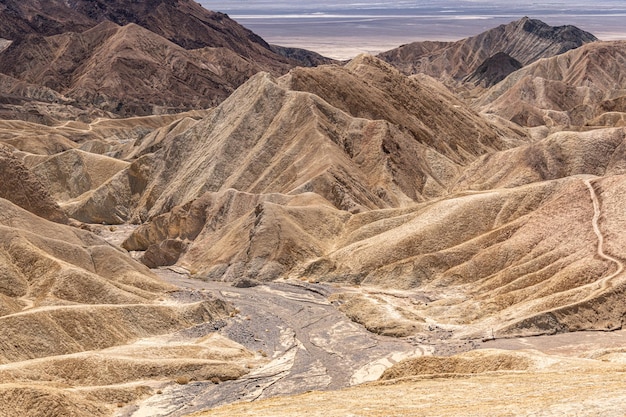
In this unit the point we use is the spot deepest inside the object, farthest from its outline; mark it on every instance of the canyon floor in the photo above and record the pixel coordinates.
(318, 360)
(313, 358)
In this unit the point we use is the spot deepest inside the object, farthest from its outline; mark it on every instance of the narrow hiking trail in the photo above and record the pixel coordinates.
(604, 282)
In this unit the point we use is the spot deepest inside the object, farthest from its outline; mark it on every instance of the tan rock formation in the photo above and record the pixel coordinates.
(20, 186)
(72, 173)
(563, 154)
(570, 89)
(364, 144)
(526, 40)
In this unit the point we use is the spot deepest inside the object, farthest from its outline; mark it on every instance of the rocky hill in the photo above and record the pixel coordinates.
(585, 86)
(526, 40)
(127, 59)
(123, 70)
(183, 22)
(386, 140)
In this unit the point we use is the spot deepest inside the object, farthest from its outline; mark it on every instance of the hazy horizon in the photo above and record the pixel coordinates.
(342, 29)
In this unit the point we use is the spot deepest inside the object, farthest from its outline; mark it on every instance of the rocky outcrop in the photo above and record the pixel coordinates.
(526, 40)
(575, 88)
(495, 69)
(21, 187)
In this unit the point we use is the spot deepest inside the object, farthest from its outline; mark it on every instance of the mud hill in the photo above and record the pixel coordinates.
(183, 22)
(66, 295)
(73, 307)
(377, 139)
(21, 187)
(526, 40)
(97, 58)
(585, 86)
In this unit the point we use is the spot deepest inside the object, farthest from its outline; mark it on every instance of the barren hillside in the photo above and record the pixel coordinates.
(96, 58)
(379, 139)
(526, 40)
(585, 86)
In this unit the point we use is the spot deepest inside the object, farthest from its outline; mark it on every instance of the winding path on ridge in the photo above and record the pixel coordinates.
(604, 282)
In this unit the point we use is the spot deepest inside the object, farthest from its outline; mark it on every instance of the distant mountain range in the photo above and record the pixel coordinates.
(525, 40)
(131, 58)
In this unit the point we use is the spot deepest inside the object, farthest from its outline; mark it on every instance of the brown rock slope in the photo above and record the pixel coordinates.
(526, 40)
(20, 18)
(126, 70)
(170, 55)
(583, 86)
(20, 186)
(20, 100)
(183, 22)
(493, 70)
(377, 139)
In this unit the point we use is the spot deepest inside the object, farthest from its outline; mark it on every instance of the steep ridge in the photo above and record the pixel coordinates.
(183, 22)
(88, 58)
(526, 40)
(369, 88)
(125, 70)
(377, 139)
(50, 263)
(303, 57)
(574, 88)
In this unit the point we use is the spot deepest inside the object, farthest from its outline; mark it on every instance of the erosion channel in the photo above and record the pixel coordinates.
(308, 342)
